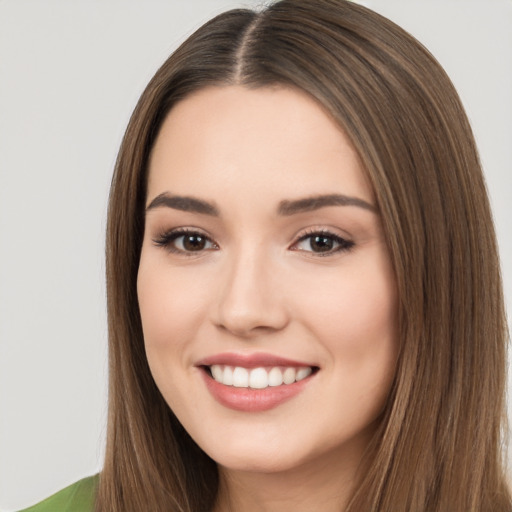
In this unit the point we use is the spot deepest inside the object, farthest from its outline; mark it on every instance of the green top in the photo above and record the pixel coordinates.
(78, 497)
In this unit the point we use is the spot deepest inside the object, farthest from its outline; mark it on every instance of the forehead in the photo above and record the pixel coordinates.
(276, 141)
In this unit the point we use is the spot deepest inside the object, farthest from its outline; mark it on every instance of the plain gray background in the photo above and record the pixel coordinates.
(70, 75)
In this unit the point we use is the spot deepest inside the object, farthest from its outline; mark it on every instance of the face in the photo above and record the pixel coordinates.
(265, 287)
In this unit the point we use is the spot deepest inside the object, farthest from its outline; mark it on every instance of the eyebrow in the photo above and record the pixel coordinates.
(316, 202)
(285, 208)
(183, 203)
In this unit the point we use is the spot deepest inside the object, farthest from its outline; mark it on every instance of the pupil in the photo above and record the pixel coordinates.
(194, 242)
(321, 243)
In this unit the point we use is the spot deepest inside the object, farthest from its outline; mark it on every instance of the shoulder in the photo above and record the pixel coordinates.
(78, 497)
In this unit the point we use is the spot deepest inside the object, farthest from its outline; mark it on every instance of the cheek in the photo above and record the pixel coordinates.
(354, 315)
(363, 342)
(169, 309)
(356, 310)
(169, 302)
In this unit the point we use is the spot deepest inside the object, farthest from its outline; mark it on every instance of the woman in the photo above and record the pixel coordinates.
(305, 307)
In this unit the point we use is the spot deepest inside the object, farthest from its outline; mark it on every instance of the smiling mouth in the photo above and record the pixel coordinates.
(258, 378)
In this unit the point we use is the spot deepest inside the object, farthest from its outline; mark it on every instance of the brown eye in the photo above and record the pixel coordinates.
(185, 242)
(193, 242)
(322, 244)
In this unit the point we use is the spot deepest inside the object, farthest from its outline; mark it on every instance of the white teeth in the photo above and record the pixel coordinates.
(302, 373)
(289, 375)
(217, 372)
(240, 377)
(258, 378)
(227, 377)
(275, 377)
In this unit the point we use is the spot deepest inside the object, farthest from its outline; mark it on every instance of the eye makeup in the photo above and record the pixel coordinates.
(322, 243)
(191, 241)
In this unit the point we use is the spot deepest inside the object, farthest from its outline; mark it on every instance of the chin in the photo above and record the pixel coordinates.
(247, 453)
(258, 462)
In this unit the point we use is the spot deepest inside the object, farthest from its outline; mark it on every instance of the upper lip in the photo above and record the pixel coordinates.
(254, 360)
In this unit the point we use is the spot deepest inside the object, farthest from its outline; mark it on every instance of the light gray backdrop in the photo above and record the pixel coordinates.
(70, 74)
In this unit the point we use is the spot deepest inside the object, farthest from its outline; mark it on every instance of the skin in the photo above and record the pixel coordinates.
(259, 285)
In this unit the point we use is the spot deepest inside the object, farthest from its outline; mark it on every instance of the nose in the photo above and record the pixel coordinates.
(250, 301)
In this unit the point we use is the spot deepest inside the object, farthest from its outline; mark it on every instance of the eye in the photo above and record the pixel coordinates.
(322, 243)
(185, 241)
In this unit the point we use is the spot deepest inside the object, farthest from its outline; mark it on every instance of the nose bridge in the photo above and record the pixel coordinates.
(248, 298)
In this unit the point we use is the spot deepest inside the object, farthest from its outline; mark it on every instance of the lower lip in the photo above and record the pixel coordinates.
(253, 400)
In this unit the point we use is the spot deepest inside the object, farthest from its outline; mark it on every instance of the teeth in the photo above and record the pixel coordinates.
(289, 375)
(217, 372)
(302, 373)
(227, 376)
(240, 377)
(275, 377)
(258, 378)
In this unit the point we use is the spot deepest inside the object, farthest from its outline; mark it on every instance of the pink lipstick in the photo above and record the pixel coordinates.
(254, 382)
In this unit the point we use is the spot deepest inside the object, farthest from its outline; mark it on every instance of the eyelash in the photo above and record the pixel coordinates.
(344, 245)
(166, 240)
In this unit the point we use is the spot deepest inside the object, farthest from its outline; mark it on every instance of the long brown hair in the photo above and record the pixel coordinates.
(439, 444)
